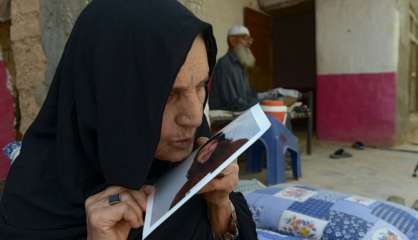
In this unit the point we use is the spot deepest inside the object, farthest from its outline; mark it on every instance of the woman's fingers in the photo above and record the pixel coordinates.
(141, 196)
(125, 197)
(233, 168)
(135, 220)
(227, 182)
(201, 140)
(113, 219)
(131, 207)
(148, 189)
(107, 192)
(106, 218)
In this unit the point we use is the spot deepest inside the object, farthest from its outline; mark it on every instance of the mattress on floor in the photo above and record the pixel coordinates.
(312, 213)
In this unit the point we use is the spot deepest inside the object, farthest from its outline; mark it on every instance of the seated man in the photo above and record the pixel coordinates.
(230, 88)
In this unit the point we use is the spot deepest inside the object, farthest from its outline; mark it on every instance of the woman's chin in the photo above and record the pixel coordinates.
(176, 155)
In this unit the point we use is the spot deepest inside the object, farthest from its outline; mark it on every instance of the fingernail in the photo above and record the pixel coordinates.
(220, 176)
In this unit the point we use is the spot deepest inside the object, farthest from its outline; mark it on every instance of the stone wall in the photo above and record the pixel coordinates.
(38, 34)
(57, 19)
(30, 60)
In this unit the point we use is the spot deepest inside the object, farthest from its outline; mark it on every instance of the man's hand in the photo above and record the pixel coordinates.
(113, 222)
(216, 194)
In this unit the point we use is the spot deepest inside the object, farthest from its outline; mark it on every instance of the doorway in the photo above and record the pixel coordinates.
(261, 26)
(284, 46)
(295, 47)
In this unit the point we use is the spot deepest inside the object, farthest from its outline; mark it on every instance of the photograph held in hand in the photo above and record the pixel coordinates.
(191, 176)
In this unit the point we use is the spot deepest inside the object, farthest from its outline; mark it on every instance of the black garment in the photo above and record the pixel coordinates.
(101, 121)
(181, 225)
(230, 89)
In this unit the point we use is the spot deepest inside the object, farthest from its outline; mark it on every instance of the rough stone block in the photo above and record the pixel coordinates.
(24, 6)
(24, 26)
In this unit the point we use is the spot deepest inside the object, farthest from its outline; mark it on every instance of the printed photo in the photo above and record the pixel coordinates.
(206, 163)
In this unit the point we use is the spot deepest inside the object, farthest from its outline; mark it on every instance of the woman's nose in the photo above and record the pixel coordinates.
(191, 112)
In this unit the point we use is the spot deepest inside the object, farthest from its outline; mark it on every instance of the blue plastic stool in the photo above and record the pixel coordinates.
(275, 143)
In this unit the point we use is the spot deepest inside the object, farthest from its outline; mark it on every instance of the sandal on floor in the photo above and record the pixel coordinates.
(358, 145)
(396, 199)
(415, 205)
(340, 153)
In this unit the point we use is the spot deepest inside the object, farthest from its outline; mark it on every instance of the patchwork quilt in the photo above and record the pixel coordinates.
(270, 235)
(308, 213)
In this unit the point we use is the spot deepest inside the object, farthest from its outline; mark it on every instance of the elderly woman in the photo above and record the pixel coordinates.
(125, 103)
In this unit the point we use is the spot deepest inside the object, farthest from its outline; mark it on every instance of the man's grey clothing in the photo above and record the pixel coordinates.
(230, 88)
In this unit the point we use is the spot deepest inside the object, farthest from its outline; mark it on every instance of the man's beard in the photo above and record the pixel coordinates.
(244, 55)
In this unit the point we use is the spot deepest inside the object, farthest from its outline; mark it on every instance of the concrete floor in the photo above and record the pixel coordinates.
(371, 172)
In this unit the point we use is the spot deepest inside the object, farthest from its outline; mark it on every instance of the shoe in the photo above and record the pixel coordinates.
(340, 153)
(396, 199)
(415, 205)
(358, 145)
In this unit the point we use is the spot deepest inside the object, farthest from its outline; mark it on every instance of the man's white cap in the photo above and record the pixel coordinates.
(238, 30)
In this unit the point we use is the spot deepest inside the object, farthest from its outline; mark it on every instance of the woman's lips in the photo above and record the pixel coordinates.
(183, 143)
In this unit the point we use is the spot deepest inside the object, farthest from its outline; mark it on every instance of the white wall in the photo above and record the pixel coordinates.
(223, 14)
(357, 36)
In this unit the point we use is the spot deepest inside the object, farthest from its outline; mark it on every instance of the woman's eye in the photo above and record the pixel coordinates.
(172, 96)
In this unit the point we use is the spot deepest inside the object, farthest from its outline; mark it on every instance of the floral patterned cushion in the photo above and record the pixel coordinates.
(311, 213)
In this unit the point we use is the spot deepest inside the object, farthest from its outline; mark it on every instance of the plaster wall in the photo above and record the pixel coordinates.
(357, 36)
(222, 15)
(357, 61)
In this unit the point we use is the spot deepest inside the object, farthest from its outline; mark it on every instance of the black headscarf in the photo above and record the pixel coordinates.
(101, 121)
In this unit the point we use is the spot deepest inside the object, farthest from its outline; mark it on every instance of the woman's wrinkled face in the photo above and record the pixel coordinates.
(183, 111)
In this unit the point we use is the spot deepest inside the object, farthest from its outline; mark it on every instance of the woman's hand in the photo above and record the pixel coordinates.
(216, 194)
(113, 222)
(217, 191)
